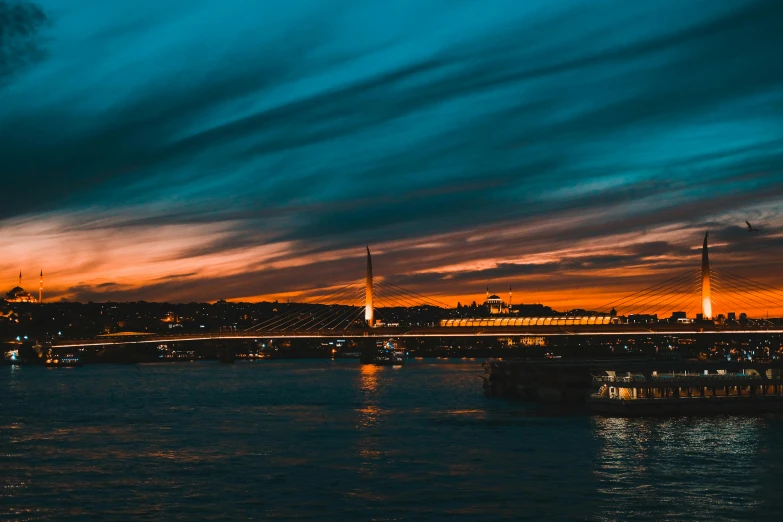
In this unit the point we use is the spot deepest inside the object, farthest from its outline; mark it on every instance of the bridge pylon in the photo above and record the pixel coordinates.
(369, 311)
(706, 295)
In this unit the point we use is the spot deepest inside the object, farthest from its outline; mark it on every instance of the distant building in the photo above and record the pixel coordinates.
(495, 305)
(19, 295)
(642, 318)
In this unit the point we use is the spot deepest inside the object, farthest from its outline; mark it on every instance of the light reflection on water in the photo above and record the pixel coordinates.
(694, 468)
(321, 440)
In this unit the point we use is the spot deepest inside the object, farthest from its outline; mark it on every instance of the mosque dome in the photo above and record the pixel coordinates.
(19, 295)
(495, 304)
(16, 291)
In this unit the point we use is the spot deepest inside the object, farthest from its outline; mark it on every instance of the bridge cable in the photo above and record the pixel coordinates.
(439, 303)
(393, 300)
(397, 296)
(755, 295)
(673, 298)
(748, 300)
(730, 298)
(334, 310)
(692, 296)
(672, 295)
(760, 288)
(650, 295)
(302, 306)
(647, 293)
(411, 297)
(291, 316)
(732, 301)
(338, 317)
(640, 292)
(331, 322)
(328, 312)
(320, 299)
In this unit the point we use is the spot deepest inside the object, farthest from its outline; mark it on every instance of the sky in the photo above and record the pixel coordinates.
(574, 150)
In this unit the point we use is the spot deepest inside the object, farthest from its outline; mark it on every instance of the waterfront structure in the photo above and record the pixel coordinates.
(19, 295)
(706, 297)
(532, 321)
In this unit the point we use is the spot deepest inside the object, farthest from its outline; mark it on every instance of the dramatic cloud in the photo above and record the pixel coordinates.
(574, 150)
(20, 26)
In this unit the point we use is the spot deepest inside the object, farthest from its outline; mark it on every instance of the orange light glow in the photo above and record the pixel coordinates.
(179, 263)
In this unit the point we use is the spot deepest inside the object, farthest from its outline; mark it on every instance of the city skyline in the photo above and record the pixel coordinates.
(573, 156)
(235, 235)
(686, 293)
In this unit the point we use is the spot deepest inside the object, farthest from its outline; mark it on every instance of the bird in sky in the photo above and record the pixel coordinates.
(750, 227)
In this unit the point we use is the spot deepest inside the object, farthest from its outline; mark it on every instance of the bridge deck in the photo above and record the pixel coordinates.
(529, 331)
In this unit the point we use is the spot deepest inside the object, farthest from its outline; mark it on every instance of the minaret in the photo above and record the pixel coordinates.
(20, 279)
(509, 299)
(706, 298)
(40, 290)
(369, 311)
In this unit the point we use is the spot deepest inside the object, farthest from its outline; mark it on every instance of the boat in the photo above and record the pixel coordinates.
(688, 393)
(64, 361)
(385, 353)
(168, 354)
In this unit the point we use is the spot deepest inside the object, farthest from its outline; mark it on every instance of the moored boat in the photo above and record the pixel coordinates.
(384, 353)
(688, 393)
(64, 361)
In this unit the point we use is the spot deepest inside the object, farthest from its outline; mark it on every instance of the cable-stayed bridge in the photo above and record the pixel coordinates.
(373, 307)
(711, 294)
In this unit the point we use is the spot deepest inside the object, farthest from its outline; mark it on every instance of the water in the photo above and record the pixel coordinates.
(335, 440)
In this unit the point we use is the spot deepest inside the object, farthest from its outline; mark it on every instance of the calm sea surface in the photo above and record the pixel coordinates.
(336, 440)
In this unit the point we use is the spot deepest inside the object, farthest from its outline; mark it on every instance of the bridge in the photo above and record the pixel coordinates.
(366, 309)
(544, 331)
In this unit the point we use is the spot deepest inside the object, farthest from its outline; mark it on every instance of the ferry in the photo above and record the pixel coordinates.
(683, 392)
(649, 386)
